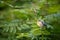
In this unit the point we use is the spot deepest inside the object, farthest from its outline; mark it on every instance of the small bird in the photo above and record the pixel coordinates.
(43, 24)
(39, 23)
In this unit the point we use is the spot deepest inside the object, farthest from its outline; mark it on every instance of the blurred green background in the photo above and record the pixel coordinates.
(18, 19)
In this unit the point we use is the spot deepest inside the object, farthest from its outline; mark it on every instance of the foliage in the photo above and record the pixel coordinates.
(18, 19)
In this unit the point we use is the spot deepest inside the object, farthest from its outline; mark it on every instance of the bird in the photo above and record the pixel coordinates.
(42, 24)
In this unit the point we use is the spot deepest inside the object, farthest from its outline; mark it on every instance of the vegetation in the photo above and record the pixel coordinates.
(18, 19)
